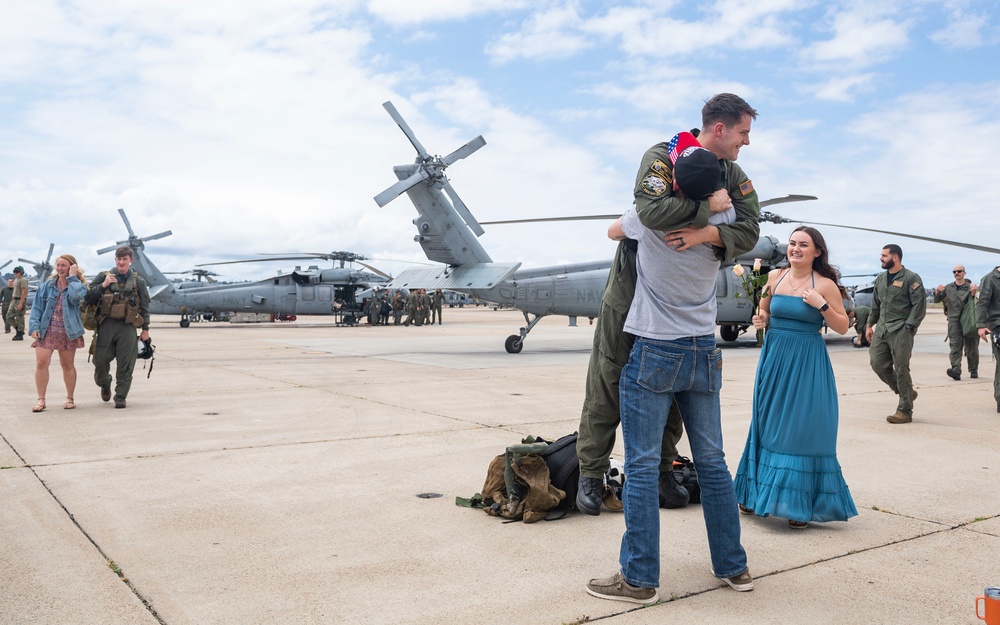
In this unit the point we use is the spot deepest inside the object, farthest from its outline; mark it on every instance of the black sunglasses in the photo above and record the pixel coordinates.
(962, 271)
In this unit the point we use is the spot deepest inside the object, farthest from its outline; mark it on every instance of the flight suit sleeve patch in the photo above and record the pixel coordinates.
(746, 188)
(654, 184)
(661, 168)
(914, 286)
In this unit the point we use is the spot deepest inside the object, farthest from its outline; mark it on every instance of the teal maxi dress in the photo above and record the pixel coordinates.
(789, 466)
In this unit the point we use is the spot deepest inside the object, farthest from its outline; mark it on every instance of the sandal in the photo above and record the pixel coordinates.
(40, 406)
(70, 404)
(744, 509)
(797, 524)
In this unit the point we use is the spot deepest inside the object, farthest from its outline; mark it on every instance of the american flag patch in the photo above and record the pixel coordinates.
(746, 188)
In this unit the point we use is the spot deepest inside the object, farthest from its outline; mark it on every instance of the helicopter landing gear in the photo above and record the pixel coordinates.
(185, 322)
(515, 342)
(729, 332)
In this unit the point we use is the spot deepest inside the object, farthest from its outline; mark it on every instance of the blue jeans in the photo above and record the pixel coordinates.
(657, 372)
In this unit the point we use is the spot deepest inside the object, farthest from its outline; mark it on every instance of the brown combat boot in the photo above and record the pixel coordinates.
(899, 417)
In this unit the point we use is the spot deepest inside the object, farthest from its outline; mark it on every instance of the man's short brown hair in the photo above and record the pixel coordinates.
(727, 108)
(123, 251)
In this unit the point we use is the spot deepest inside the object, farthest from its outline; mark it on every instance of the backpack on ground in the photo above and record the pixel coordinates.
(529, 480)
(564, 468)
(687, 476)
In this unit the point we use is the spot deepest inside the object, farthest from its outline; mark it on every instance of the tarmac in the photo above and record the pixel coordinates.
(306, 473)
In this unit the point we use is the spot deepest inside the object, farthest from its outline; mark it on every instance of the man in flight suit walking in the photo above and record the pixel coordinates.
(122, 301)
(899, 304)
(955, 296)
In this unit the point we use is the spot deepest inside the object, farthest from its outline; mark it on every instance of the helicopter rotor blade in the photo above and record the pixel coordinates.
(787, 198)
(255, 260)
(374, 270)
(128, 226)
(463, 210)
(396, 117)
(971, 246)
(778, 200)
(397, 189)
(111, 248)
(543, 219)
(165, 233)
(5, 264)
(464, 151)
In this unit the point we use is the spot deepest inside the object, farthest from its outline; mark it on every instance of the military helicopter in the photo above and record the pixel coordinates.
(42, 269)
(312, 292)
(447, 231)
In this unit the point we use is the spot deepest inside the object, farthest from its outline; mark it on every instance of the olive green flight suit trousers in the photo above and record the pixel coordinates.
(890, 359)
(118, 341)
(958, 342)
(612, 345)
(15, 317)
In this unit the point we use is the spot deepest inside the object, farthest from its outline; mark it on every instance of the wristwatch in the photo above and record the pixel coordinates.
(824, 307)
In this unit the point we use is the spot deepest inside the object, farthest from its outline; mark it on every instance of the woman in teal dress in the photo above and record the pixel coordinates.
(789, 467)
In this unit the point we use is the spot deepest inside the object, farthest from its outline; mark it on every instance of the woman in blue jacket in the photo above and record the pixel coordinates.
(56, 325)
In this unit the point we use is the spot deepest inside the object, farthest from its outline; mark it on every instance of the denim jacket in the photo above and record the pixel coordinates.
(45, 303)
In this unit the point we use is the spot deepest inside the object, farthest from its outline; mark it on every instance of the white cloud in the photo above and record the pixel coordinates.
(549, 34)
(862, 36)
(409, 12)
(961, 31)
(843, 88)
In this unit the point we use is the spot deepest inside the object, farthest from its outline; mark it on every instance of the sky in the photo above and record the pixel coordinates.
(253, 126)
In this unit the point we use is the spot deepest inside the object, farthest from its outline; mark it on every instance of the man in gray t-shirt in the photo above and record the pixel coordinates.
(675, 291)
(674, 358)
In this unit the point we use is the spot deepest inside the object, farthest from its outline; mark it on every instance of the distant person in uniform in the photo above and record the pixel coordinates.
(19, 299)
(122, 301)
(988, 321)
(411, 307)
(859, 320)
(424, 307)
(6, 295)
(899, 304)
(436, 304)
(56, 325)
(398, 305)
(384, 308)
(955, 296)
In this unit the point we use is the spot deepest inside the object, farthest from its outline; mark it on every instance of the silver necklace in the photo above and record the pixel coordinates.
(801, 284)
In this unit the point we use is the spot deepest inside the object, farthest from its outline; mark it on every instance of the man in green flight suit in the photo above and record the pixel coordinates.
(988, 321)
(659, 207)
(955, 296)
(6, 295)
(899, 304)
(19, 297)
(122, 301)
(859, 320)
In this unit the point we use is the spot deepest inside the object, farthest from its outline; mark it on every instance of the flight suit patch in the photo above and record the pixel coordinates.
(654, 184)
(661, 168)
(897, 283)
(746, 188)
(914, 286)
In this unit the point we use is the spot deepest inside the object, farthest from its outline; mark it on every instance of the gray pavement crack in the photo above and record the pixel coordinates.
(107, 559)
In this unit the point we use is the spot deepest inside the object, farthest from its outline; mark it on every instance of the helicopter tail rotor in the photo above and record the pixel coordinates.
(133, 241)
(430, 169)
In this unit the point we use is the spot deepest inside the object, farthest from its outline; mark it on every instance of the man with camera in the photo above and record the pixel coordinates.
(122, 301)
